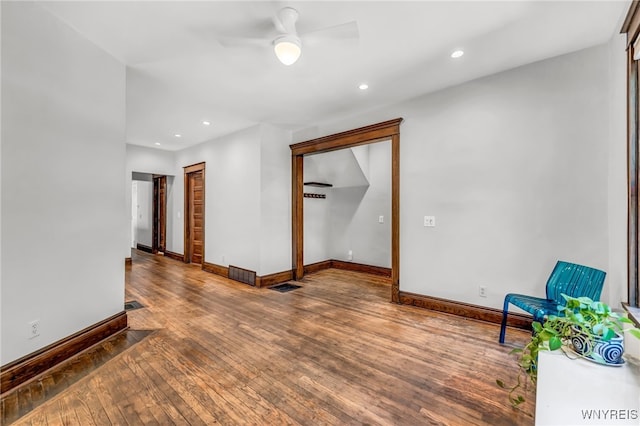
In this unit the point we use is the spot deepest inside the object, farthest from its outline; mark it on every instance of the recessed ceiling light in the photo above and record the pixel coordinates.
(158, 143)
(206, 123)
(178, 135)
(363, 86)
(457, 54)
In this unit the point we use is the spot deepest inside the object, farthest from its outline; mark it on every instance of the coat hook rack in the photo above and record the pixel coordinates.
(311, 195)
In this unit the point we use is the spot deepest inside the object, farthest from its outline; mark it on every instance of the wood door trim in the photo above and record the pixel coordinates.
(297, 222)
(631, 25)
(632, 29)
(194, 168)
(361, 136)
(466, 310)
(145, 248)
(387, 130)
(174, 256)
(154, 215)
(159, 209)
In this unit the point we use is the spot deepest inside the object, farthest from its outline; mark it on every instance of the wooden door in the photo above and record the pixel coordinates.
(159, 213)
(196, 218)
(194, 214)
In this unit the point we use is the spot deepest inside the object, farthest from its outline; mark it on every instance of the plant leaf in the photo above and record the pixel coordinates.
(555, 343)
(598, 329)
(608, 334)
(585, 300)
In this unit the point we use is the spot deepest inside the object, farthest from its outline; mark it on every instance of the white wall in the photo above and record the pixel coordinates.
(347, 220)
(515, 168)
(355, 212)
(63, 203)
(317, 225)
(149, 160)
(324, 168)
(275, 200)
(247, 196)
(134, 212)
(232, 198)
(143, 232)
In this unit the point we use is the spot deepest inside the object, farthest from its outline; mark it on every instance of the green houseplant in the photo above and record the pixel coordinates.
(585, 327)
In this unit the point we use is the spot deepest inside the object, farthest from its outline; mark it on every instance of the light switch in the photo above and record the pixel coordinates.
(430, 221)
(380, 219)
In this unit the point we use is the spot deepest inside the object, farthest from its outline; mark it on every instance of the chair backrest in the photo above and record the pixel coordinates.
(575, 281)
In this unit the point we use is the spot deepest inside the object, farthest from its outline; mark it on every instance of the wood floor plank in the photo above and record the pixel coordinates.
(190, 398)
(251, 368)
(99, 401)
(334, 351)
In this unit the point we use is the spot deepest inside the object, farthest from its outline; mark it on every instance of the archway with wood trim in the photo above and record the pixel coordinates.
(388, 130)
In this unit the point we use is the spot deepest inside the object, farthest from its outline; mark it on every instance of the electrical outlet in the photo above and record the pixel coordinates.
(430, 221)
(350, 255)
(483, 291)
(33, 329)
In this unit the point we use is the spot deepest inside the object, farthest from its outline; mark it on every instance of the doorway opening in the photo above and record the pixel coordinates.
(347, 209)
(385, 131)
(194, 206)
(149, 212)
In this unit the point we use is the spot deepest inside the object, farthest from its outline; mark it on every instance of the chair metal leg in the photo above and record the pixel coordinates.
(503, 326)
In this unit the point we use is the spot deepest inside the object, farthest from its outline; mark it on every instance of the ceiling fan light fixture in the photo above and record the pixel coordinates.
(287, 49)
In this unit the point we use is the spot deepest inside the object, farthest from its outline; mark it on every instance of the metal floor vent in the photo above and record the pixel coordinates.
(134, 304)
(283, 288)
(243, 275)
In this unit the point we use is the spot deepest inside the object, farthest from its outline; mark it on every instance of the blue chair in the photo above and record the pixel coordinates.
(568, 278)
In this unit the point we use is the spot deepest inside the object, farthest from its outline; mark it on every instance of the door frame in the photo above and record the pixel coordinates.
(194, 168)
(159, 208)
(631, 28)
(387, 130)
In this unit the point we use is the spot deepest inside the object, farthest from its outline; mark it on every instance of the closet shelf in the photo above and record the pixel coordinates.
(318, 184)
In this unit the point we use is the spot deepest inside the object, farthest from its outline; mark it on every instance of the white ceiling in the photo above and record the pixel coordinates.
(179, 75)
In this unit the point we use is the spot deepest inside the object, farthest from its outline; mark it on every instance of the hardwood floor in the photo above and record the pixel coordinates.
(334, 352)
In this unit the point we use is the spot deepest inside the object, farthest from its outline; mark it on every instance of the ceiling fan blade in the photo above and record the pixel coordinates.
(244, 42)
(344, 31)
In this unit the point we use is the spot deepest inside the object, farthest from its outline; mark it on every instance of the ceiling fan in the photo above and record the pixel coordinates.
(287, 44)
